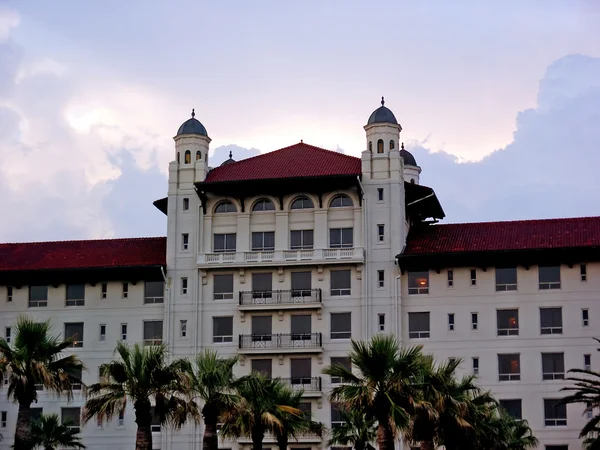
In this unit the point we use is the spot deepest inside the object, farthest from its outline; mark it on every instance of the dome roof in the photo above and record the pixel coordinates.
(192, 126)
(382, 115)
(409, 159)
(228, 161)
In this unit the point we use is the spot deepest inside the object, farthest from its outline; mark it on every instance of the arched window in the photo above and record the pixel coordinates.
(177, 157)
(380, 146)
(188, 157)
(198, 155)
(264, 204)
(340, 201)
(370, 146)
(225, 207)
(302, 203)
(392, 145)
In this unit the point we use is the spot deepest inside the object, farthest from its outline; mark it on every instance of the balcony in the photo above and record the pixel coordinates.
(270, 439)
(284, 257)
(311, 386)
(280, 343)
(288, 299)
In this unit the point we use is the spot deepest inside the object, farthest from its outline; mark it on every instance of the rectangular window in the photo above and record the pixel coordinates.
(102, 332)
(263, 241)
(38, 296)
(76, 379)
(35, 414)
(556, 447)
(262, 285)
(223, 287)
(186, 203)
(450, 278)
(154, 292)
(507, 322)
(337, 419)
(475, 361)
(512, 407)
(341, 325)
(224, 243)
(3, 419)
(71, 417)
(451, 322)
(589, 410)
(585, 317)
(75, 295)
(380, 232)
(123, 331)
(9, 293)
(74, 332)
(551, 320)
(381, 278)
(306, 408)
(185, 241)
(104, 290)
(418, 325)
(7, 334)
(183, 328)
(555, 413)
(473, 277)
(583, 272)
(263, 366)
(509, 367)
(184, 286)
(340, 282)
(341, 237)
(549, 277)
(587, 362)
(381, 321)
(300, 371)
(301, 327)
(418, 282)
(121, 419)
(262, 328)
(222, 329)
(553, 366)
(301, 239)
(344, 362)
(153, 332)
(125, 290)
(379, 194)
(301, 284)
(474, 321)
(155, 424)
(506, 278)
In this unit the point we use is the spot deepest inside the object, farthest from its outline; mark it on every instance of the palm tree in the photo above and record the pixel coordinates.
(141, 375)
(35, 358)
(212, 382)
(48, 433)
(383, 387)
(292, 423)
(357, 430)
(256, 410)
(445, 403)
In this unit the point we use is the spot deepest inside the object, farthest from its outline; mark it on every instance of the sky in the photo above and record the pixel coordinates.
(499, 101)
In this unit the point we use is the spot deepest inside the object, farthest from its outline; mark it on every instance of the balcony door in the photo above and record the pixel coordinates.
(262, 286)
(301, 327)
(301, 285)
(262, 328)
(300, 371)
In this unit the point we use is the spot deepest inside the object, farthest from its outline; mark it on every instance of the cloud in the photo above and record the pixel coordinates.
(9, 19)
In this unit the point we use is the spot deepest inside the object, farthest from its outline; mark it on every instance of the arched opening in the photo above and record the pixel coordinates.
(380, 146)
(264, 204)
(302, 203)
(340, 201)
(178, 157)
(225, 207)
(198, 155)
(188, 157)
(392, 145)
(371, 146)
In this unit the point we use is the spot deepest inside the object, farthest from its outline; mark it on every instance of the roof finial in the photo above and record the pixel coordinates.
(382, 101)
(302, 141)
(402, 147)
(230, 154)
(193, 113)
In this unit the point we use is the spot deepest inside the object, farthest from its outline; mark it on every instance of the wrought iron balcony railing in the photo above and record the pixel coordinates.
(282, 297)
(307, 384)
(280, 341)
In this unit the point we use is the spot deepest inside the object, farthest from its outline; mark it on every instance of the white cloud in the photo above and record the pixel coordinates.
(9, 19)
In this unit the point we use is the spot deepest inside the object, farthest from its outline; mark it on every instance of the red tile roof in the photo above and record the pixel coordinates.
(96, 254)
(297, 161)
(504, 236)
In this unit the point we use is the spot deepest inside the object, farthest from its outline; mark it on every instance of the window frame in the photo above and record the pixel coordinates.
(509, 376)
(474, 321)
(341, 334)
(123, 330)
(343, 198)
(41, 302)
(227, 205)
(186, 204)
(263, 238)
(554, 375)
(381, 278)
(154, 300)
(153, 340)
(183, 328)
(585, 317)
(381, 232)
(222, 338)
(546, 272)
(451, 322)
(380, 195)
(506, 287)
(227, 238)
(473, 275)
(587, 361)
(475, 365)
(76, 427)
(343, 235)
(102, 332)
(343, 291)
(223, 295)
(419, 289)
(552, 328)
(304, 234)
(264, 208)
(184, 285)
(419, 334)
(555, 421)
(185, 241)
(77, 343)
(583, 273)
(510, 331)
(302, 199)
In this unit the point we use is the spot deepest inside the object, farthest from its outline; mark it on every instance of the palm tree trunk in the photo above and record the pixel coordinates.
(258, 433)
(385, 435)
(210, 439)
(143, 418)
(22, 434)
(282, 443)
(427, 445)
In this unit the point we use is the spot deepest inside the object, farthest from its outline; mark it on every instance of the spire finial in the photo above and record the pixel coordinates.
(382, 101)
(302, 141)
(402, 147)
(230, 154)
(193, 113)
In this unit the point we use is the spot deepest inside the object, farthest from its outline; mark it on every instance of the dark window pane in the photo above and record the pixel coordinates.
(341, 325)
(418, 282)
(262, 325)
(336, 414)
(512, 407)
(153, 330)
(340, 282)
(341, 237)
(74, 331)
(263, 366)
(154, 292)
(223, 286)
(301, 281)
(340, 201)
(75, 291)
(301, 324)
(225, 207)
(263, 205)
(509, 367)
(553, 366)
(300, 368)
(222, 329)
(343, 361)
(506, 278)
(263, 241)
(549, 277)
(35, 413)
(418, 325)
(225, 242)
(551, 320)
(72, 415)
(555, 414)
(262, 282)
(507, 322)
(38, 293)
(302, 203)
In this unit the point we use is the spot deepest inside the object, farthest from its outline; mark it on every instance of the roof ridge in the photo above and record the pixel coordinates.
(553, 219)
(72, 241)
